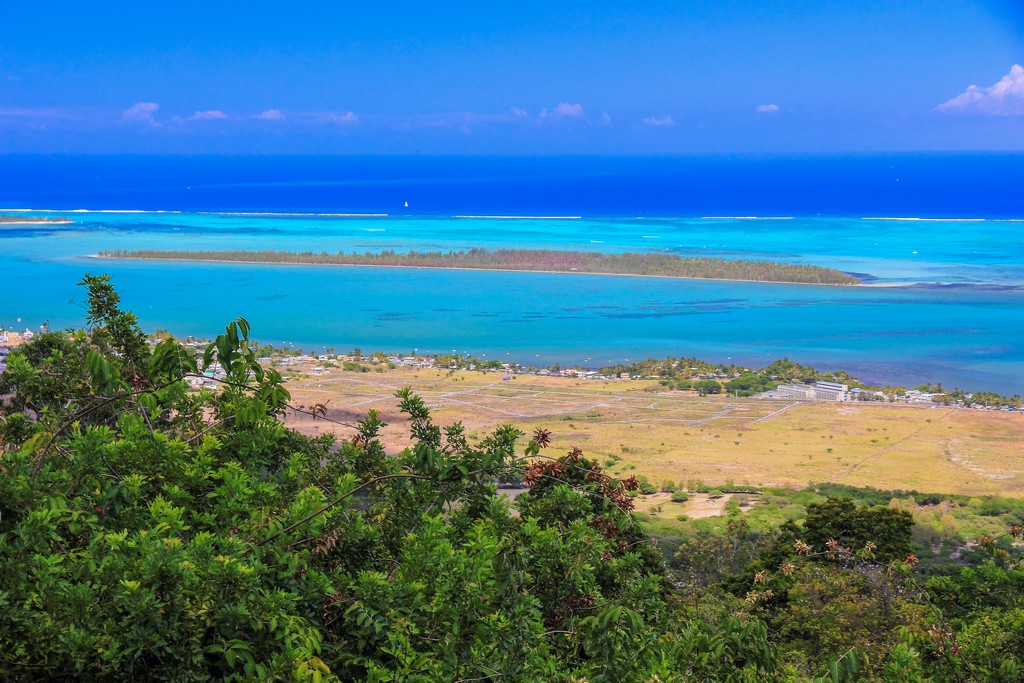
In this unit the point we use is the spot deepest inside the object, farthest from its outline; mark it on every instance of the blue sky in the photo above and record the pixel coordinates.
(512, 78)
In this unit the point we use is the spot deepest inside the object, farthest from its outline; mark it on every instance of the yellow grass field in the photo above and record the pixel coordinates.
(636, 427)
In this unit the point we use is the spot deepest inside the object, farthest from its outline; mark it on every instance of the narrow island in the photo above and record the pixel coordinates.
(538, 260)
(31, 220)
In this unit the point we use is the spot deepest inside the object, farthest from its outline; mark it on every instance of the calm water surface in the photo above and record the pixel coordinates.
(969, 335)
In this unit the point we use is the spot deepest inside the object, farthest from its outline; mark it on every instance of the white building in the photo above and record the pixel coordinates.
(830, 391)
(820, 391)
(800, 392)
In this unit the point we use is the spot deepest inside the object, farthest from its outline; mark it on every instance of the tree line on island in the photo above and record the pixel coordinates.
(149, 531)
(541, 260)
(33, 219)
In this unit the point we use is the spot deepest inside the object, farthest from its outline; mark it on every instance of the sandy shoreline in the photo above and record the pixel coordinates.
(306, 264)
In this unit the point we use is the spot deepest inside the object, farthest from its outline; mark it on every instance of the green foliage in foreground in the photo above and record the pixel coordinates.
(151, 532)
(148, 531)
(649, 264)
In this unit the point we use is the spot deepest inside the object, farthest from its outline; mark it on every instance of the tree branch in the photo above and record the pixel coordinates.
(325, 508)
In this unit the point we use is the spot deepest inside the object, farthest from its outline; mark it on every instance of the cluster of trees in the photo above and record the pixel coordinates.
(650, 264)
(672, 368)
(148, 531)
(696, 374)
(989, 399)
(846, 581)
(752, 382)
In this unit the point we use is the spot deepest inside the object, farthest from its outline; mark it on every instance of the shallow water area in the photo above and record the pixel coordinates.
(968, 334)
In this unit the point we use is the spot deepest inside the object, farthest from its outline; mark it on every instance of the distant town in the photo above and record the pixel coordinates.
(782, 379)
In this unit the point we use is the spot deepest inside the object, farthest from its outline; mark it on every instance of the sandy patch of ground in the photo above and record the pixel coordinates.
(699, 506)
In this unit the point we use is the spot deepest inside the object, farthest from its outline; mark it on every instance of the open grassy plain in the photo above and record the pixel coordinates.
(636, 427)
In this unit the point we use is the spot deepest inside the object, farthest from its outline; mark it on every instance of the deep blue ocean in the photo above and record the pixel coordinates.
(929, 185)
(953, 223)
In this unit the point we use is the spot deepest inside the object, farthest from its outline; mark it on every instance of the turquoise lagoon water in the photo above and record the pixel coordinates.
(969, 332)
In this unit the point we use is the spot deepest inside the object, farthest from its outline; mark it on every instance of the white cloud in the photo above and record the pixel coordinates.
(208, 115)
(604, 119)
(142, 112)
(345, 119)
(44, 113)
(519, 113)
(767, 108)
(566, 109)
(659, 121)
(1004, 98)
(563, 109)
(271, 115)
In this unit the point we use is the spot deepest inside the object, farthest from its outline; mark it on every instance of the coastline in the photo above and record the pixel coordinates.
(306, 264)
